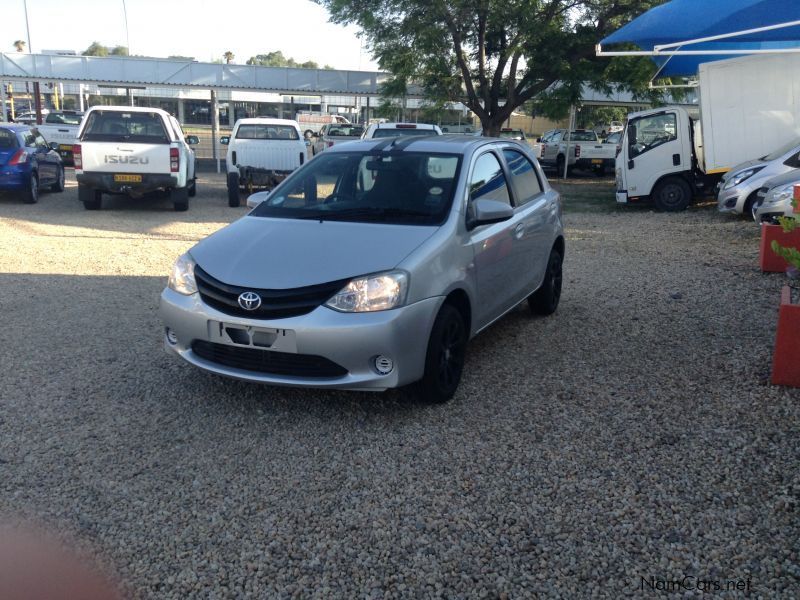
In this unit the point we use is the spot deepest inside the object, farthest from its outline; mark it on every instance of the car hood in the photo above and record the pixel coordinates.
(272, 253)
(792, 176)
(745, 165)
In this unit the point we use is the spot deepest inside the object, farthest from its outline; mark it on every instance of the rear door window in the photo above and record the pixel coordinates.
(119, 126)
(253, 131)
(7, 139)
(523, 173)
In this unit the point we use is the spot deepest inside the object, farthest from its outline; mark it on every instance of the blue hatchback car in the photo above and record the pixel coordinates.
(27, 163)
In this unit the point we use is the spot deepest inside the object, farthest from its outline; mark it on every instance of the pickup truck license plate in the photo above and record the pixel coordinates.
(128, 178)
(597, 161)
(66, 147)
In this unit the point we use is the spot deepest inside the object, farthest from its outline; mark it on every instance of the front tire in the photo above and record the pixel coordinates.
(233, 190)
(444, 360)
(91, 198)
(672, 195)
(544, 301)
(31, 194)
(749, 208)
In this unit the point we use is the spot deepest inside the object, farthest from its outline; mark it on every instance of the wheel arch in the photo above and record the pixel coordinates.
(459, 299)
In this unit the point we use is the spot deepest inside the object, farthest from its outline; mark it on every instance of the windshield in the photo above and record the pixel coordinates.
(392, 132)
(614, 138)
(116, 126)
(64, 119)
(582, 136)
(409, 188)
(782, 150)
(266, 132)
(514, 134)
(345, 131)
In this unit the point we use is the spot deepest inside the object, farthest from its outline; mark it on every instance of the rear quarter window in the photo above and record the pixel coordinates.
(7, 139)
(118, 126)
(266, 132)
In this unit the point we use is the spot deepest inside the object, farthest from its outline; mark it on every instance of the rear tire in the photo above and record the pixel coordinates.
(444, 360)
(193, 188)
(58, 186)
(180, 199)
(544, 301)
(31, 195)
(91, 198)
(233, 190)
(672, 195)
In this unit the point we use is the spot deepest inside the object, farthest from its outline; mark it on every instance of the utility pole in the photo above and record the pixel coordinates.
(37, 96)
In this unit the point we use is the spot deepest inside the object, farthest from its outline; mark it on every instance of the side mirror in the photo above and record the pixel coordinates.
(254, 200)
(538, 140)
(631, 164)
(309, 134)
(53, 145)
(225, 140)
(487, 211)
(192, 140)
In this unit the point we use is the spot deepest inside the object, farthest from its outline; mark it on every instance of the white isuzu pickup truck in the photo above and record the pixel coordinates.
(133, 151)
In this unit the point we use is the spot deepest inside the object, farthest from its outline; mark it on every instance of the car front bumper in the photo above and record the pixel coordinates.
(350, 340)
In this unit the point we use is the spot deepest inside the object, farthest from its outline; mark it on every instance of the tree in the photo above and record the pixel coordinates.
(277, 59)
(20, 45)
(229, 56)
(119, 51)
(96, 49)
(495, 55)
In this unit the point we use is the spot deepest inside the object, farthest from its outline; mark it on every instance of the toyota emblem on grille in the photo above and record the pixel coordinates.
(249, 300)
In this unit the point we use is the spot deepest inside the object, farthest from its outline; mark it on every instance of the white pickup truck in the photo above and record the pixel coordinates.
(585, 151)
(133, 151)
(261, 153)
(62, 128)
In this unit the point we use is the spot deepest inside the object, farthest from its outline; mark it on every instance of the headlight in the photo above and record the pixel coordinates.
(780, 195)
(374, 292)
(740, 177)
(182, 277)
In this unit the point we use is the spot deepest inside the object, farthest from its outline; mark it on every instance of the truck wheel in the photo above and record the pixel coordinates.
(233, 190)
(180, 199)
(91, 198)
(31, 195)
(560, 166)
(192, 189)
(58, 186)
(672, 195)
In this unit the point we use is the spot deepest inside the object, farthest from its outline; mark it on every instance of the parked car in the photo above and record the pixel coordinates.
(133, 151)
(737, 191)
(261, 153)
(28, 117)
(312, 122)
(62, 128)
(585, 150)
(774, 199)
(383, 130)
(371, 266)
(513, 134)
(604, 129)
(331, 135)
(27, 164)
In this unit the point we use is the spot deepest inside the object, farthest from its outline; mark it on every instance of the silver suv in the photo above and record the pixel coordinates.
(371, 266)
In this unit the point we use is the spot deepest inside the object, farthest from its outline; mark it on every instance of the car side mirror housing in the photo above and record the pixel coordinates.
(254, 200)
(225, 140)
(485, 212)
(192, 140)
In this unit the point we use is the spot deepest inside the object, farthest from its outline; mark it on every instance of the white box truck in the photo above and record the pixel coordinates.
(748, 107)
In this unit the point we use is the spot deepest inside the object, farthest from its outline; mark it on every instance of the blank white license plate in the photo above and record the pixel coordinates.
(280, 340)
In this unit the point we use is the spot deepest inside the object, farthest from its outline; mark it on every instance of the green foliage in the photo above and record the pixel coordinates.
(277, 59)
(19, 45)
(119, 51)
(96, 49)
(496, 55)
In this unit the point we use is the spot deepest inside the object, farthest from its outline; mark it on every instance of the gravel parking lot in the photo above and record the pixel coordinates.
(631, 436)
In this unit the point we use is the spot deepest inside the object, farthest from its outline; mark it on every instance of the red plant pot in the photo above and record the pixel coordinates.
(786, 359)
(771, 262)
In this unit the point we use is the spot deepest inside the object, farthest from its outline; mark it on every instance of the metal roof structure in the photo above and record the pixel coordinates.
(141, 72)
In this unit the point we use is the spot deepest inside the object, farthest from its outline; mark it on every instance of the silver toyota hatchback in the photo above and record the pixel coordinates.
(371, 267)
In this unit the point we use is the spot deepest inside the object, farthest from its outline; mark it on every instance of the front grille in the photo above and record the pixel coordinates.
(268, 361)
(275, 304)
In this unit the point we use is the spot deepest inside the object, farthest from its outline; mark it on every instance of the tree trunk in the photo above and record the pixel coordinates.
(492, 125)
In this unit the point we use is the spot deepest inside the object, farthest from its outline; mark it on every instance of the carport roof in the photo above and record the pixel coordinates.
(681, 34)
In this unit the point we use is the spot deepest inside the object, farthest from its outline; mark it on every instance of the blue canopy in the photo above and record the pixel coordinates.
(684, 20)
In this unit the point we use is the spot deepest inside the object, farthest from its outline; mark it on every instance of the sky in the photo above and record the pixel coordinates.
(204, 29)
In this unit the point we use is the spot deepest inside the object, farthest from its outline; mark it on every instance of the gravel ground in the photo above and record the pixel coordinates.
(631, 436)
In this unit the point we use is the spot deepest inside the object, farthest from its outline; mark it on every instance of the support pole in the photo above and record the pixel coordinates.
(2, 102)
(215, 128)
(37, 102)
(80, 97)
(570, 127)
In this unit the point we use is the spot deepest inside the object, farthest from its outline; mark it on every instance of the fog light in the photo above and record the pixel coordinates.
(383, 364)
(171, 337)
